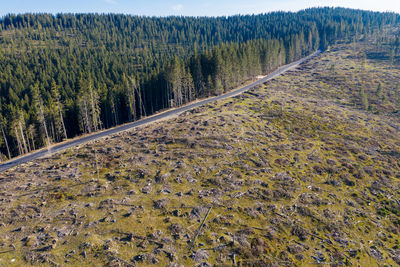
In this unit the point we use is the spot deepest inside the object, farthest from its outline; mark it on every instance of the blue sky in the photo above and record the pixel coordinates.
(185, 7)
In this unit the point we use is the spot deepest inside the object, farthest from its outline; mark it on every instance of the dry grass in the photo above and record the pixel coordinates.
(296, 173)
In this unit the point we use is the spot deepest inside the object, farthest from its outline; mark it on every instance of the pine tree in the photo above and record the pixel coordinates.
(58, 112)
(3, 123)
(130, 92)
(31, 134)
(188, 87)
(197, 74)
(94, 107)
(39, 110)
(85, 121)
(175, 83)
(134, 97)
(89, 107)
(203, 62)
(21, 126)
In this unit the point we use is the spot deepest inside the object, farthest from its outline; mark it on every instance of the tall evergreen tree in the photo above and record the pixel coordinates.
(39, 110)
(92, 71)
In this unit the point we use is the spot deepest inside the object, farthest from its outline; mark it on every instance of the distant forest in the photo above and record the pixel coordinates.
(69, 74)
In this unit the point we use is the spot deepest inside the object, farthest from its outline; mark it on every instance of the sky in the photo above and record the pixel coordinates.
(185, 7)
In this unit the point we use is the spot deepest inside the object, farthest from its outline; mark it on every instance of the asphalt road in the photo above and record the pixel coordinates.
(173, 112)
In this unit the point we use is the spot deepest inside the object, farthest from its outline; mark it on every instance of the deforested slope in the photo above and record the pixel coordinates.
(296, 172)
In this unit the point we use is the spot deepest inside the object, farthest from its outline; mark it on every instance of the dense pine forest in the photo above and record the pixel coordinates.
(68, 74)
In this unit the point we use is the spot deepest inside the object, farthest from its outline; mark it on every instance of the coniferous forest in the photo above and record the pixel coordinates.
(68, 74)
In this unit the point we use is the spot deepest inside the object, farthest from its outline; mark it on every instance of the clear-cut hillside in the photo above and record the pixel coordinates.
(295, 172)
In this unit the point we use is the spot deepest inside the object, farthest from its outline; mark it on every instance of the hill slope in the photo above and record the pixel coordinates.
(294, 172)
(69, 74)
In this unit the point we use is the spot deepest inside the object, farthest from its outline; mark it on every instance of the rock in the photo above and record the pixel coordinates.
(282, 177)
(161, 178)
(282, 161)
(295, 249)
(190, 179)
(396, 256)
(328, 214)
(342, 241)
(213, 192)
(190, 192)
(111, 177)
(143, 244)
(147, 189)
(197, 213)
(29, 241)
(89, 190)
(176, 228)
(46, 248)
(335, 183)
(170, 255)
(154, 260)
(140, 174)
(180, 165)
(200, 255)
(204, 264)
(368, 170)
(376, 253)
(258, 246)
(177, 213)
(347, 180)
(156, 235)
(127, 238)
(319, 257)
(331, 162)
(318, 169)
(305, 211)
(106, 204)
(161, 204)
(166, 240)
(166, 189)
(352, 253)
(140, 258)
(300, 232)
(131, 192)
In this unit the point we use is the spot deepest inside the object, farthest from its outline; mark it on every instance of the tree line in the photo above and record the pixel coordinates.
(67, 74)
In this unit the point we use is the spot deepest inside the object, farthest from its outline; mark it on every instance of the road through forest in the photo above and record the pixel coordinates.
(151, 119)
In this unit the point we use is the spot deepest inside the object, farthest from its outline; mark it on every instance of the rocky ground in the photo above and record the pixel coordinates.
(291, 173)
